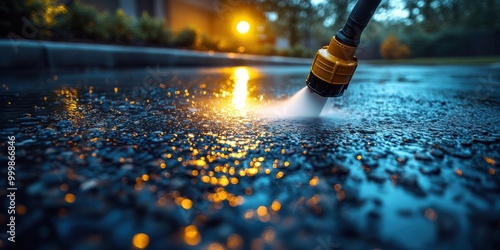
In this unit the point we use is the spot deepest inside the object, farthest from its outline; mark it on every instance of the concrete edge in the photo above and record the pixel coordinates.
(29, 54)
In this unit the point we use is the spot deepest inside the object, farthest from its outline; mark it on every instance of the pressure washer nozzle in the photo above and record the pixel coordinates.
(332, 69)
(334, 65)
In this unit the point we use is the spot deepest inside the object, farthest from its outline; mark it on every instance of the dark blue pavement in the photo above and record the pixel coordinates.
(183, 158)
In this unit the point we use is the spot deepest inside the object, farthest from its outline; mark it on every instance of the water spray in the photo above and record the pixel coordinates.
(335, 64)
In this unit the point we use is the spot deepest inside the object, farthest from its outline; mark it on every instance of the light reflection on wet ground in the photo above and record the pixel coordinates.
(408, 158)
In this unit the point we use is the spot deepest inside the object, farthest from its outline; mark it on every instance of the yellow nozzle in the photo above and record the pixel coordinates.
(332, 69)
(335, 64)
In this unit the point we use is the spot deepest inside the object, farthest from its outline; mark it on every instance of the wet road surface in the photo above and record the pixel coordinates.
(158, 158)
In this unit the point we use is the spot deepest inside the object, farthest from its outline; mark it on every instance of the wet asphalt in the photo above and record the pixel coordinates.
(182, 158)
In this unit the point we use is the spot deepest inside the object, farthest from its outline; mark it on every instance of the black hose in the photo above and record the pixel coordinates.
(357, 21)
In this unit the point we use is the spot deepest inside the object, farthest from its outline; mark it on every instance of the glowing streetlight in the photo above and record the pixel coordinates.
(243, 27)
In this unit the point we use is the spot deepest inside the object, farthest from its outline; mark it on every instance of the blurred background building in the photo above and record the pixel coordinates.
(176, 14)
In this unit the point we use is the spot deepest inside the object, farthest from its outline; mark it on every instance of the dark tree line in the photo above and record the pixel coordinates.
(430, 28)
(434, 16)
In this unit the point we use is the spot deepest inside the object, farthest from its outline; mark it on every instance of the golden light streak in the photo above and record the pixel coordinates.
(240, 92)
(68, 97)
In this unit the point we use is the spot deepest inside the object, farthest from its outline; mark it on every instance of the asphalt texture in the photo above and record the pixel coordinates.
(165, 158)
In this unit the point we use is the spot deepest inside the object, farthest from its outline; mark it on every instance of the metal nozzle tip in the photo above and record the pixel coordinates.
(324, 88)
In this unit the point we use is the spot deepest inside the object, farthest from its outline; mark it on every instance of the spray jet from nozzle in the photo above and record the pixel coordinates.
(334, 65)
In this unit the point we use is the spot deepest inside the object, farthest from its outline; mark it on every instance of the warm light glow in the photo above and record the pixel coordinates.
(234, 241)
(140, 240)
(262, 211)
(192, 236)
(186, 204)
(68, 98)
(21, 209)
(279, 175)
(431, 214)
(215, 246)
(243, 27)
(269, 235)
(489, 160)
(69, 198)
(252, 171)
(248, 214)
(223, 181)
(314, 181)
(275, 206)
(240, 92)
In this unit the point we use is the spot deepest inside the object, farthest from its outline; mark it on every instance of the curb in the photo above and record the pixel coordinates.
(26, 54)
